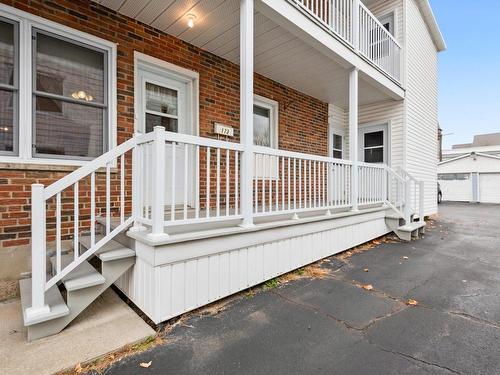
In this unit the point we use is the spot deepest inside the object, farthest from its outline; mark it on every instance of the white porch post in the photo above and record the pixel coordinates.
(158, 185)
(353, 135)
(246, 109)
(38, 253)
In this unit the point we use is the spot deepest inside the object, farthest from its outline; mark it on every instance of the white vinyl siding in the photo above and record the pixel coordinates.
(421, 105)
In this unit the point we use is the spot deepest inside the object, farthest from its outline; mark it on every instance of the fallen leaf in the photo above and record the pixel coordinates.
(366, 269)
(145, 364)
(405, 257)
(411, 302)
(367, 287)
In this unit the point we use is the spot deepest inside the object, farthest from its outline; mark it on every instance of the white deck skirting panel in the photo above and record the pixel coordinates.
(164, 283)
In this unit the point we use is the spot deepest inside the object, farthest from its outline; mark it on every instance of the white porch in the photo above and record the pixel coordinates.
(235, 198)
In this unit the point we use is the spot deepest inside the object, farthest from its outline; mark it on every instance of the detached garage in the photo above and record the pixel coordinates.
(473, 177)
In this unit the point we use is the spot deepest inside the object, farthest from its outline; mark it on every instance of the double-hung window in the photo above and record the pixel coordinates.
(9, 86)
(57, 101)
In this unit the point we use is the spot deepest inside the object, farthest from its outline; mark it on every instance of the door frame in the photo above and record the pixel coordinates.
(192, 80)
(385, 126)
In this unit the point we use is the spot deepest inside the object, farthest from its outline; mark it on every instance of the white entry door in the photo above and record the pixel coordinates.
(164, 99)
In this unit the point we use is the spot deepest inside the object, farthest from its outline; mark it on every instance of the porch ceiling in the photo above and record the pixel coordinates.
(279, 55)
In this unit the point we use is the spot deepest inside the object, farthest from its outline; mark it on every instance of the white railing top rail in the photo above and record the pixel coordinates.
(201, 141)
(298, 155)
(379, 24)
(96, 164)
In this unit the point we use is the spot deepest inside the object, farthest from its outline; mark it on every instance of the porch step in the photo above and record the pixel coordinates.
(412, 227)
(53, 298)
(84, 276)
(113, 250)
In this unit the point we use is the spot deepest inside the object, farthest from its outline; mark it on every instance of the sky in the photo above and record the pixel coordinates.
(469, 70)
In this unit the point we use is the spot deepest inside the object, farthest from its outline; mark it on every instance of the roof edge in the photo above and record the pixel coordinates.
(430, 20)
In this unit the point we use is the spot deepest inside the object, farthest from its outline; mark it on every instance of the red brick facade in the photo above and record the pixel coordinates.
(302, 119)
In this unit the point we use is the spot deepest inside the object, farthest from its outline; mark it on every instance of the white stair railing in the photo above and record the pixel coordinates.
(72, 203)
(415, 194)
(396, 190)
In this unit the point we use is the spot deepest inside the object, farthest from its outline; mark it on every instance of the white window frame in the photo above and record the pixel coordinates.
(27, 23)
(389, 17)
(371, 128)
(271, 170)
(273, 107)
(331, 149)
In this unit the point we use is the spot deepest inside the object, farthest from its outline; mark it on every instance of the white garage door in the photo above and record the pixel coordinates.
(456, 187)
(489, 187)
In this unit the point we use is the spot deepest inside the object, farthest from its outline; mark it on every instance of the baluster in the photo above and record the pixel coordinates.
(108, 198)
(227, 182)
(289, 197)
(269, 167)
(314, 185)
(255, 182)
(236, 174)
(122, 188)
(217, 186)
(92, 209)
(207, 198)
(76, 220)
(310, 184)
(263, 181)
(282, 183)
(172, 187)
(186, 170)
(197, 185)
(294, 184)
(276, 198)
(58, 232)
(300, 183)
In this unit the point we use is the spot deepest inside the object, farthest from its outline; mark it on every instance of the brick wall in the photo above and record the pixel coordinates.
(302, 119)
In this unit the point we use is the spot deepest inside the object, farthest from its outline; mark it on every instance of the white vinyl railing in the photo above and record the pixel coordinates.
(335, 15)
(292, 182)
(199, 181)
(355, 24)
(180, 179)
(372, 183)
(377, 44)
(74, 204)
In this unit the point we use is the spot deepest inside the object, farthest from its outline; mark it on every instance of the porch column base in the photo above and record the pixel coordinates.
(157, 236)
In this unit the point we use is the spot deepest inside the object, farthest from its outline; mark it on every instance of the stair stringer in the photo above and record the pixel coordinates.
(80, 299)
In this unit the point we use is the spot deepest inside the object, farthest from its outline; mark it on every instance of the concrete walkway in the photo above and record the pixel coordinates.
(106, 325)
(332, 326)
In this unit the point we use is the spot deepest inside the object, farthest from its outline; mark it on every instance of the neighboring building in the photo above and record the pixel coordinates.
(295, 130)
(471, 172)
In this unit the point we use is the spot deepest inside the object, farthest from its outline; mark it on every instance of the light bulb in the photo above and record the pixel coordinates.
(82, 94)
(191, 18)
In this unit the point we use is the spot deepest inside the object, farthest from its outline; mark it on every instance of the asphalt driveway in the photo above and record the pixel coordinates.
(329, 325)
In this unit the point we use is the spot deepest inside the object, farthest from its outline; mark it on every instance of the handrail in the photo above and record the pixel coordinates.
(363, 6)
(297, 155)
(95, 164)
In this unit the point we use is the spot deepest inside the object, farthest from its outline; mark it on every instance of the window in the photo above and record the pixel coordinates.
(161, 108)
(69, 98)
(374, 147)
(9, 86)
(338, 146)
(453, 176)
(58, 106)
(388, 22)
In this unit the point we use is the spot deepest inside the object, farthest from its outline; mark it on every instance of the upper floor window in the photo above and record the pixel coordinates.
(56, 106)
(387, 21)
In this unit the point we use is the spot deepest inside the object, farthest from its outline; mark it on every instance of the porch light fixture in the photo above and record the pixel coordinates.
(82, 95)
(191, 18)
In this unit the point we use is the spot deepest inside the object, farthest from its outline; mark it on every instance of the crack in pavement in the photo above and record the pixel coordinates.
(409, 356)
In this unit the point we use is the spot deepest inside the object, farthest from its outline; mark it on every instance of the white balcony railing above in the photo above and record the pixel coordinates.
(355, 24)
